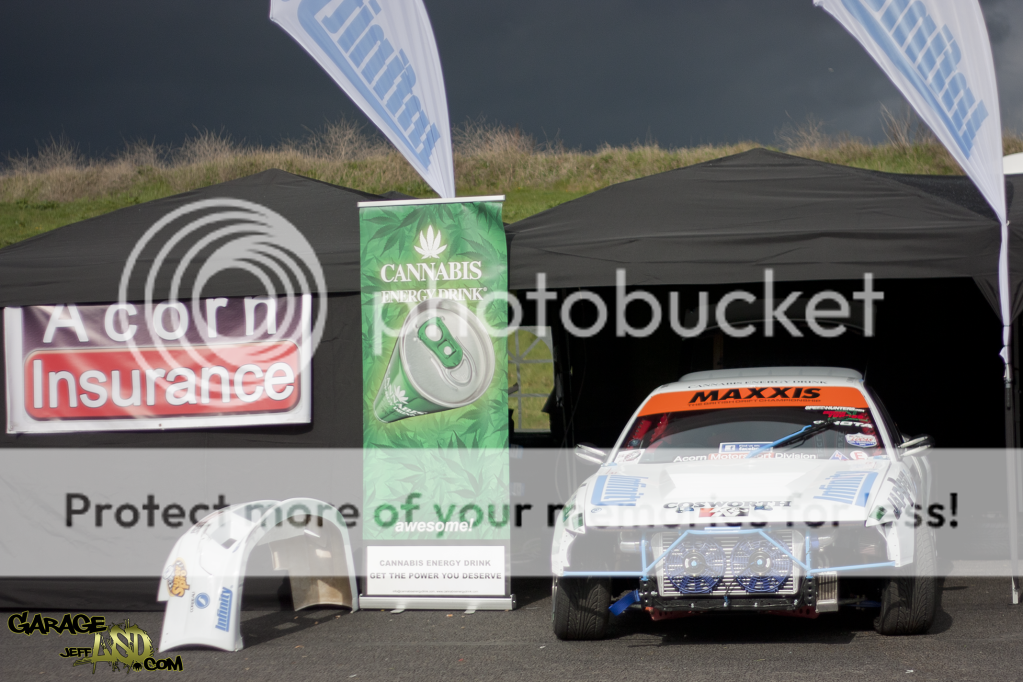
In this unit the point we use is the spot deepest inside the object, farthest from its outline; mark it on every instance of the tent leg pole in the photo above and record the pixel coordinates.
(1016, 410)
(1017, 495)
(1010, 462)
(1010, 466)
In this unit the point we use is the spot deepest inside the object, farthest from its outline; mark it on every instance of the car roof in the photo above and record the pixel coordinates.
(773, 372)
(753, 376)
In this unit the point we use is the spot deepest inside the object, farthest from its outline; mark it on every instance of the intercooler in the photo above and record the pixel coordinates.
(727, 586)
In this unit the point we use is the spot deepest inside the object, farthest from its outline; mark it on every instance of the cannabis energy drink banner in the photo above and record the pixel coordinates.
(435, 397)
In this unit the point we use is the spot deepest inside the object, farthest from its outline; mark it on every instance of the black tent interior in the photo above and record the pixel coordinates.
(726, 221)
(710, 226)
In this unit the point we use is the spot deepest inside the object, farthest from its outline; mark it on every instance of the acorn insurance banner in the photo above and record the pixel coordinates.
(221, 362)
(435, 403)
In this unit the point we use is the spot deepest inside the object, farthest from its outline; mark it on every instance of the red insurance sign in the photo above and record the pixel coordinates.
(223, 362)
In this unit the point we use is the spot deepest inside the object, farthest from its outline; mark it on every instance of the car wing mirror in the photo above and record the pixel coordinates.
(588, 453)
(917, 446)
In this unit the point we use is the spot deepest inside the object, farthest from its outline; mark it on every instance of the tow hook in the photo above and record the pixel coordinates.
(625, 602)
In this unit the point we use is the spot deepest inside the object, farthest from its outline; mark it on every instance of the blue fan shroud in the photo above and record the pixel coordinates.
(759, 566)
(695, 567)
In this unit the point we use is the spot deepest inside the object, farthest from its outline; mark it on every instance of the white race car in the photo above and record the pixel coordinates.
(753, 490)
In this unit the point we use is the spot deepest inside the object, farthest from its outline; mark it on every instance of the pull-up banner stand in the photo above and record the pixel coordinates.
(435, 404)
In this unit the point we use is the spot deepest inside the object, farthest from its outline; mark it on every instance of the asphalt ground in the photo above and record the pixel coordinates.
(978, 635)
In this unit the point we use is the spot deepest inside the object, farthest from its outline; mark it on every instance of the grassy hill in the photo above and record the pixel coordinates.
(58, 186)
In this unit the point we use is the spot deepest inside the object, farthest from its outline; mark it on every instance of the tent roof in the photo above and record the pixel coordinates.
(83, 262)
(723, 221)
(727, 220)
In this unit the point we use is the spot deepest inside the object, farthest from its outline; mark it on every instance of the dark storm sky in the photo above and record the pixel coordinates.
(682, 72)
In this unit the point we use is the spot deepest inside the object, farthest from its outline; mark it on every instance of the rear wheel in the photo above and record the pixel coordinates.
(909, 602)
(580, 607)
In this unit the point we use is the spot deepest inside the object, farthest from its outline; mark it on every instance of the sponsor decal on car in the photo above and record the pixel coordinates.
(742, 447)
(690, 458)
(177, 579)
(901, 496)
(724, 511)
(861, 440)
(848, 487)
(768, 454)
(752, 396)
(628, 456)
(730, 455)
(838, 412)
(618, 491)
(224, 610)
(755, 505)
(839, 455)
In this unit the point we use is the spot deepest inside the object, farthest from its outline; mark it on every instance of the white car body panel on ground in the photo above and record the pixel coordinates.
(204, 575)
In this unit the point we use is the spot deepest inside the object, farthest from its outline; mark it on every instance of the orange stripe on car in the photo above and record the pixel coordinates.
(754, 396)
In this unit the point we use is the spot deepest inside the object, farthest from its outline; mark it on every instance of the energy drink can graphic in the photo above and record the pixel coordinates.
(443, 359)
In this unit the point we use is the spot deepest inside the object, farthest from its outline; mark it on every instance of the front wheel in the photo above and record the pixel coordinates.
(580, 607)
(909, 602)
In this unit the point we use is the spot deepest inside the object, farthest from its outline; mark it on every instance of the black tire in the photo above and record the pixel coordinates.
(909, 602)
(580, 607)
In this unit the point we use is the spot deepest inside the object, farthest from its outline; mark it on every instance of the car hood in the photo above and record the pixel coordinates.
(756, 491)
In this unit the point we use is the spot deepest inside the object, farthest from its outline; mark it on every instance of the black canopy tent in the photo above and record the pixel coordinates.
(721, 222)
(83, 262)
(728, 220)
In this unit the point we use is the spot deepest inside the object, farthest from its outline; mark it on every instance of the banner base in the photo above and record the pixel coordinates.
(439, 603)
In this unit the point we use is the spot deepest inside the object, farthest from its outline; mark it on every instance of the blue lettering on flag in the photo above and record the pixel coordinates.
(928, 58)
(848, 487)
(618, 491)
(359, 48)
(224, 610)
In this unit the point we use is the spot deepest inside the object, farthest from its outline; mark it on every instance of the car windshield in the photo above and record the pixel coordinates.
(789, 432)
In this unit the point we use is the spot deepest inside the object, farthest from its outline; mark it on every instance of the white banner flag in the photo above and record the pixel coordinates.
(383, 55)
(938, 54)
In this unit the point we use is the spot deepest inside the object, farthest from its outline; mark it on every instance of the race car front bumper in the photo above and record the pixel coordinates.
(817, 593)
(729, 568)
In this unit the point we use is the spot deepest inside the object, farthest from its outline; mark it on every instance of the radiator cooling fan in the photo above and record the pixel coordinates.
(695, 567)
(760, 566)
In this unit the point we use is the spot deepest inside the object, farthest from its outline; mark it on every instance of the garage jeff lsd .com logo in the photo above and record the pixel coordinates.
(124, 646)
